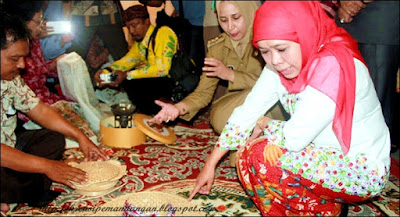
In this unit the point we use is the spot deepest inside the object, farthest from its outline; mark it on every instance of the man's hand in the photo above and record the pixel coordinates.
(98, 80)
(90, 150)
(344, 16)
(215, 68)
(121, 76)
(352, 7)
(61, 172)
(168, 112)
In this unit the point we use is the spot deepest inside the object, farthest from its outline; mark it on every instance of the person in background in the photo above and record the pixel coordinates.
(30, 159)
(323, 155)
(230, 57)
(102, 18)
(37, 69)
(375, 25)
(97, 56)
(210, 25)
(144, 79)
(54, 45)
(193, 11)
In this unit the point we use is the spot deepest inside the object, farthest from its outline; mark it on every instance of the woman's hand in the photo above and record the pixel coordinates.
(168, 112)
(258, 129)
(90, 150)
(45, 30)
(61, 172)
(215, 68)
(204, 180)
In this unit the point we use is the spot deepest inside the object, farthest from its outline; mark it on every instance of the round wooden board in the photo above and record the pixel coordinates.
(160, 133)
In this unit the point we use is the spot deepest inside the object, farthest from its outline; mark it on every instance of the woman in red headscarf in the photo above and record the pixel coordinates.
(335, 148)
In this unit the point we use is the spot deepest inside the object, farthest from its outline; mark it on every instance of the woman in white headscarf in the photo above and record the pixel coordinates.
(231, 58)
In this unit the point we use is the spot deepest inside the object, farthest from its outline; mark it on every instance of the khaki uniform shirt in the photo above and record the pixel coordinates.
(246, 69)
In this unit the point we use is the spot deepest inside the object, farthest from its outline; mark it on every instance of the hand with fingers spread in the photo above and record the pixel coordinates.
(215, 68)
(168, 112)
(61, 172)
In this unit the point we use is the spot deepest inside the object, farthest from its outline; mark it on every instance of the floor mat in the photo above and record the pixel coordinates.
(172, 169)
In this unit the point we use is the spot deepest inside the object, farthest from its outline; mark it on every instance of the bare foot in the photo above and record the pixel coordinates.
(4, 207)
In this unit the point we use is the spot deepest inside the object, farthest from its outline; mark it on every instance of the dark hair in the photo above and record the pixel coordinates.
(13, 28)
(25, 9)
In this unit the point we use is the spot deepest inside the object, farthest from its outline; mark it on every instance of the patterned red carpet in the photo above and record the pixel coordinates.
(154, 167)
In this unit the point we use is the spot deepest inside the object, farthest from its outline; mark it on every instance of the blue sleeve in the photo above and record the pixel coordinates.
(51, 46)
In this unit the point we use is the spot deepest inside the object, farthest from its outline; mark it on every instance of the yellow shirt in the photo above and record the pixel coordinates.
(159, 60)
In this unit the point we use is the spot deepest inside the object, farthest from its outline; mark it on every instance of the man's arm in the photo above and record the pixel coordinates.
(56, 170)
(121, 67)
(45, 116)
(159, 64)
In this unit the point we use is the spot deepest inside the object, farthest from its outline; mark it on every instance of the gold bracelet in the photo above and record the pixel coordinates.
(260, 121)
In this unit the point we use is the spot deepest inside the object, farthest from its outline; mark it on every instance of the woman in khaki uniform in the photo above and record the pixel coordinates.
(230, 57)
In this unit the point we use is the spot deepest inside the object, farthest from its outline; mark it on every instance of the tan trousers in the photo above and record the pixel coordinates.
(223, 107)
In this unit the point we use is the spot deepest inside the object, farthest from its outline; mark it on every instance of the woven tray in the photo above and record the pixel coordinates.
(103, 176)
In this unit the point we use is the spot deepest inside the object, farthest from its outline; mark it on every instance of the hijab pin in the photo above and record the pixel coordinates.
(322, 45)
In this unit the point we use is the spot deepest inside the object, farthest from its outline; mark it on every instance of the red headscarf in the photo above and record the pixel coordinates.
(306, 23)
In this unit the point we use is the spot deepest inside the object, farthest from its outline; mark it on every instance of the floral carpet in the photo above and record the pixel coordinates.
(172, 169)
